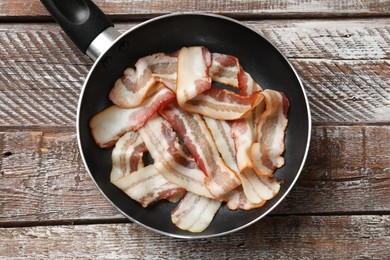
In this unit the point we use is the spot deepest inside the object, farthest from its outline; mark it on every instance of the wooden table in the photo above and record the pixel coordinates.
(339, 208)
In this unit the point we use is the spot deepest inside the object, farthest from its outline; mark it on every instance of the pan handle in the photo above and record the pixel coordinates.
(85, 24)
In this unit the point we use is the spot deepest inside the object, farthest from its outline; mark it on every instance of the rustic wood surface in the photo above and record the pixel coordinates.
(339, 208)
(20, 9)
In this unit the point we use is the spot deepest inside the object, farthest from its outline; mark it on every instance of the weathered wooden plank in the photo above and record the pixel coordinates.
(310, 237)
(13, 9)
(42, 177)
(347, 79)
(329, 39)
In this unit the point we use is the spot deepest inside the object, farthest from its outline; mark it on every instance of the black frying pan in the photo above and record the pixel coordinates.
(92, 32)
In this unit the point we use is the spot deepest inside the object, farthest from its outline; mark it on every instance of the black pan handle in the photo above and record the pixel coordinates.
(81, 20)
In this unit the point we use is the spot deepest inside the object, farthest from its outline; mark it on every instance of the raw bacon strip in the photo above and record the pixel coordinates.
(222, 104)
(110, 124)
(199, 141)
(169, 158)
(258, 188)
(246, 84)
(266, 152)
(130, 90)
(147, 186)
(225, 69)
(127, 155)
(192, 73)
(243, 137)
(220, 131)
(195, 94)
(238, 200)
(194, 213)
(164, 68)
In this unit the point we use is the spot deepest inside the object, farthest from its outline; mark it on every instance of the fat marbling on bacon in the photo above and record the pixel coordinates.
(233, 139)
(110, 124)
(170, 159)
(195, 93)
(270, 133)
(220, 179)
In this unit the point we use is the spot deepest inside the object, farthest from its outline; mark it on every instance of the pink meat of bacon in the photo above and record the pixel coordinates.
(110, 124)
(147, 186)
(195, 213)
(236, 199)
(127, 155)
(169, 158)
(267, 150)
(195, 94)
(220, 179)
(132, 88)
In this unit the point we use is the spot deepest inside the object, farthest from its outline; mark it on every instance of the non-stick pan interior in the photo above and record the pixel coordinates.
(167, 34)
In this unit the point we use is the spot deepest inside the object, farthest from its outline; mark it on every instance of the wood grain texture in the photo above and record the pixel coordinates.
(310, 237)
(347, 78)
(43, 179)
(13, 9)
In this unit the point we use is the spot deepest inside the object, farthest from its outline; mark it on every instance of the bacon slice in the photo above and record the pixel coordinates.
(246, 83)
(194, 213)
(243, 137)
(258, 188)
(110, 124)
(198, 139)
(127, 155)
(222, 104)
(195, 94)
(170, 159)
(221, 132)
(164, 68)
(225, 69)
(266, 152)
(236, 199)
(147, 186)
(132, 88)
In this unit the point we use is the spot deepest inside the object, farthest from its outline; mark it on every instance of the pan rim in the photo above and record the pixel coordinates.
(194, 235)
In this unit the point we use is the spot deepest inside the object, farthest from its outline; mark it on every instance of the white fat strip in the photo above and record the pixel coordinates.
(221, 133)
(144, 185)
(121, 154)
(195, 213)
(191, 68)
(258, 188)
(191, 179)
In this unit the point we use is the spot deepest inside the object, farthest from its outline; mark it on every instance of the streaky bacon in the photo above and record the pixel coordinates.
(246, 84)
(132, 88)
(194, 213)
(220, 179)
(243, 137)
(236, 199)
(127, 155)
(147, 186)
(195, 94)
(169, 158)
(254, 190)
(222, 104)
(164, 68)
(110, 124)
(221, 132)
(258, 188)
(192, 73)
(267, 150)
(225, 69)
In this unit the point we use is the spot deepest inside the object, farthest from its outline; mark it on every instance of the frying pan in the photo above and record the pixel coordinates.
(94, 34)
